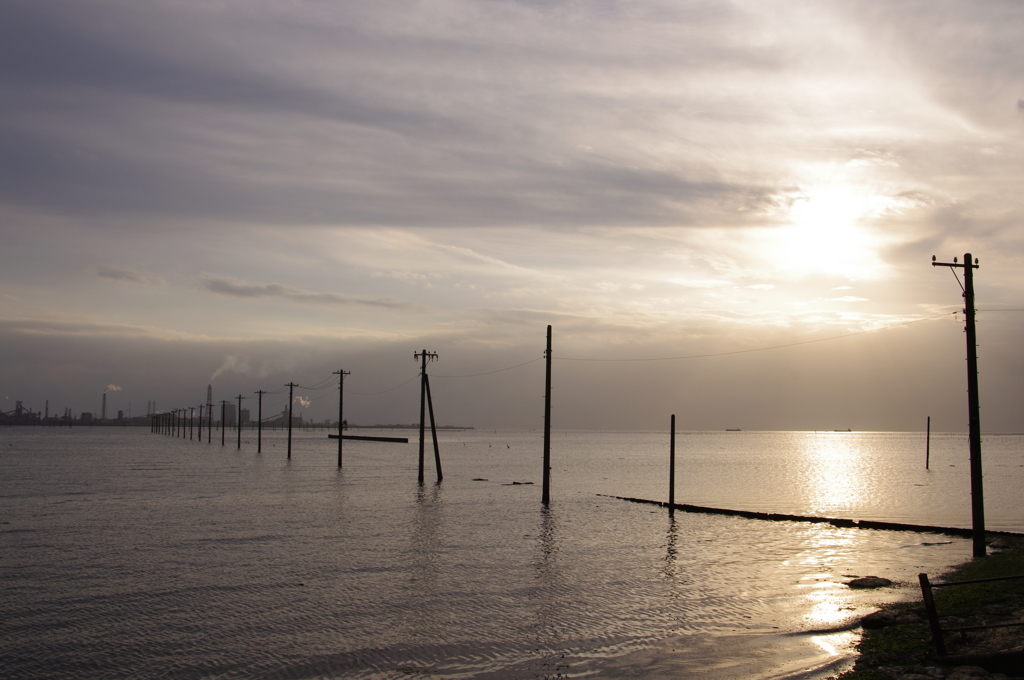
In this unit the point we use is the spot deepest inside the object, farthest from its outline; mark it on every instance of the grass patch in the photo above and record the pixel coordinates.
(908, 642)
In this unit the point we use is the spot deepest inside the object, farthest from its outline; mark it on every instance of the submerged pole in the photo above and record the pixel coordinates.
(291, 388)
(928, 444)
(341, 400)
(546, 492)
(423, 401)
(433, 430)
(672, 467)
(238, 422)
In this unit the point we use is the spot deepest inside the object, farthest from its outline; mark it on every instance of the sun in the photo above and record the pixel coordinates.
(825, 230)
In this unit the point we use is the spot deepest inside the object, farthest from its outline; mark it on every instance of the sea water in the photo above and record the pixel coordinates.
(132, 554)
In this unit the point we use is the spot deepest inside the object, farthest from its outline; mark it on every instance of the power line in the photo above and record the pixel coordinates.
(765, 349)
(474, 375)
(392, 389)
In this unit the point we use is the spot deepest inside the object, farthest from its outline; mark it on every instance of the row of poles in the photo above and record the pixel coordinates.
(174, 422)
(167, 421)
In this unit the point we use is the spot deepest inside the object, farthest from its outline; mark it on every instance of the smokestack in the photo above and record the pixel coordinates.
(209, 394)
(103, 415)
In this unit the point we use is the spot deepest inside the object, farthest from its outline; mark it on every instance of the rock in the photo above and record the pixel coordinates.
(876, 620)
(869, 582)
(915, 676)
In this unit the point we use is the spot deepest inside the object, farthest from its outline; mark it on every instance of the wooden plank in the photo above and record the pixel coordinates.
(400, 440)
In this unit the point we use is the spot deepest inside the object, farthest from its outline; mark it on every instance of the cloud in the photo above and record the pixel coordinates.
(106, 271)
(848, 298)
(241, 289)
(762, 286)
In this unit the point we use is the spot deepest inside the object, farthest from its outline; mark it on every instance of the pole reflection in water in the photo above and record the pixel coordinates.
(547, 597)
(427, 543)
(671, 570)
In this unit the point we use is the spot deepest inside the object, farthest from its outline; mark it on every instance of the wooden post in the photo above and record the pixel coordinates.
(672, 467)
(223, 419)
(933, 615)
(546, 492)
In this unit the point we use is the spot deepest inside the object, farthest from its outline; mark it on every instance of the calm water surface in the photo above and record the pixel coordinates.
(129, 554)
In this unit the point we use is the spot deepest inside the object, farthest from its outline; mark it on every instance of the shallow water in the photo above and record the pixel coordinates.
(129, 554)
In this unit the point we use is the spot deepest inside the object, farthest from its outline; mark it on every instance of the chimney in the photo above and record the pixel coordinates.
(103, 416)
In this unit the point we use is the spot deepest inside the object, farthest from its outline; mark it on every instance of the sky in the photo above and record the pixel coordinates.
(725, 210)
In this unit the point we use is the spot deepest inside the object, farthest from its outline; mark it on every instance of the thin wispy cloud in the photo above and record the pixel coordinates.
(106, 271)
(242, 289)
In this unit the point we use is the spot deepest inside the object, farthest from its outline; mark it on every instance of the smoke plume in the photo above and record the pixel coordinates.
(111, 388)
(302, 401)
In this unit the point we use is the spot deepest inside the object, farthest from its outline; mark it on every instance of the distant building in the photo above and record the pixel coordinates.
(246, 416)
(230, 415)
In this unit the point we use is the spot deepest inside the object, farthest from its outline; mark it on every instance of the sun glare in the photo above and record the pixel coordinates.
(826, 232)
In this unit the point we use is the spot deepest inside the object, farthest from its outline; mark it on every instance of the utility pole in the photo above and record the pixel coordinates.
(191, 419)
(200, 423)
(291, 390)
(424, 356)
(341, 397)
(433, 431)
(259, 427)
(928, 444)
(546, 492)
(973, 407)
(238, 422)
(223, 419)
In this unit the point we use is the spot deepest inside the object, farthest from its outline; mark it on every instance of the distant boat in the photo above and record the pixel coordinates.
(733, 429)
(846, 430)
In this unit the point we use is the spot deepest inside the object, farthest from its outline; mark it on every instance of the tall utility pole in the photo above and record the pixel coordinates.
(200, 423)
(433, 431)
(223, 419)
(546, 492)
(191, 418)
(424, 356)
(238, 421)
(291, 390)
(974, 422)
(341, 398)
(209, 422)
(259, 420)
